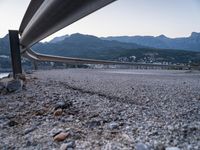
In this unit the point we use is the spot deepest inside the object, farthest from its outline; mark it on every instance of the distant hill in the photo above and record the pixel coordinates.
(88, 46)
(191, 43)
(58, 39)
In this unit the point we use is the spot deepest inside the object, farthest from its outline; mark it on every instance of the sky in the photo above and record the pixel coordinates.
(173, 18)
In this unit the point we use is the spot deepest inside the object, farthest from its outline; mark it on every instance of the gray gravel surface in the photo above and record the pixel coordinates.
(103, 109)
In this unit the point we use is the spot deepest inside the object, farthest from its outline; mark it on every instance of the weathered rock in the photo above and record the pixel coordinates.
(70, 144)
(58, 112)
(141, 146)
(14, 85)
(61, 136)
(172, 148)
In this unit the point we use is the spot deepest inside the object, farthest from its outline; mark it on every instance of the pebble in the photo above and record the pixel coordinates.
(113, 125)
(61, 136)
(93, 124)
(63, 105)
(55, 131)
(67, 145)
(159, 146)
(28, 130)
(12, 123)
(172, 148)
(58, 112)
(141, 146)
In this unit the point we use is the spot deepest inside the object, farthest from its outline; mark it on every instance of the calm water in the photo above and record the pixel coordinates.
(3, 75)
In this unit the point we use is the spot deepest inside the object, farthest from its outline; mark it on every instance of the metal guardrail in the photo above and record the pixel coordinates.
(50, 58)
(45, 17)
(53, 15)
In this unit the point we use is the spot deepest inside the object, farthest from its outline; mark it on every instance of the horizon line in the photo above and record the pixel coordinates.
(119, 35)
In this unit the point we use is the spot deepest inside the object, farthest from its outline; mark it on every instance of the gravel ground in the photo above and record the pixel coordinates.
(103, 109)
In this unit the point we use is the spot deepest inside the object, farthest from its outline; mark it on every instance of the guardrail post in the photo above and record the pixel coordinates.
(15, 52)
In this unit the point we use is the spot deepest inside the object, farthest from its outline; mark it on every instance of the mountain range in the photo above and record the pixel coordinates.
(85, 46)
(191, 43)
(89, 46)
(145, 49)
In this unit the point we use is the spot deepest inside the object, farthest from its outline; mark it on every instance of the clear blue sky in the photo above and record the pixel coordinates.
(174, 18)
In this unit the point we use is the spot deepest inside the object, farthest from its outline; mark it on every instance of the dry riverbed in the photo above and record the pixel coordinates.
(103, 109)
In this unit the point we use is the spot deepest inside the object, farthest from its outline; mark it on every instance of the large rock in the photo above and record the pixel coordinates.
(14, 85)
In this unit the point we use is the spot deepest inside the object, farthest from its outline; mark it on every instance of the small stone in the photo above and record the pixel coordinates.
(12, 123)
(61, 136)
(28, 143)
(141, 146)
(39, 112)
(189, 147)
(58, 112)
(28, 130)
(113, 125)
(159, 146)
(68, 145)
(14, 85)
(172, 148)
(93, 124)
(55, 131)
(63, 105)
